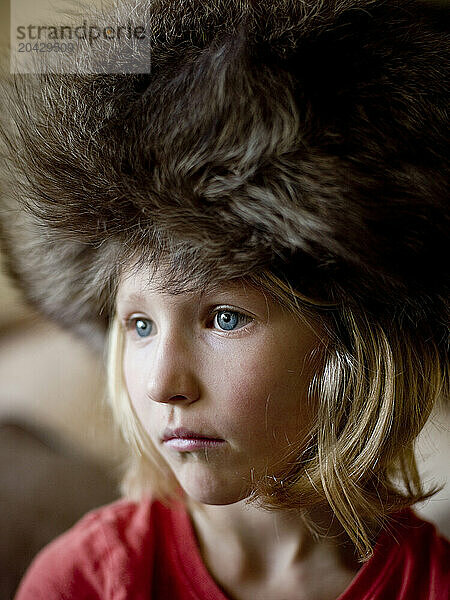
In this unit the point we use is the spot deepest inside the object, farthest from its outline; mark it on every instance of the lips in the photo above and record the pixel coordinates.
(186, 440)
(184, 433)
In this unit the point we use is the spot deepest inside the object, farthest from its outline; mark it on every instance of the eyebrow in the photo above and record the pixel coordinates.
(131, 297)
(226, 287)
(213, 288)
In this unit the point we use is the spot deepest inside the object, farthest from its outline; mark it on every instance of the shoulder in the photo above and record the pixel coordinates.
(101, 556)
(411, 561)
(423, 558)
(418, 541)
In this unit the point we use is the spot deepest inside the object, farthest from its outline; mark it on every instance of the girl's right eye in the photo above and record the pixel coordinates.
(143, 327)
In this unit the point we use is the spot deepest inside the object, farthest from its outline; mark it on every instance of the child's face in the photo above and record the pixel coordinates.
(229, 366)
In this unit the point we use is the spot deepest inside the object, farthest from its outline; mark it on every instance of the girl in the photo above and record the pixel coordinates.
(257, 223)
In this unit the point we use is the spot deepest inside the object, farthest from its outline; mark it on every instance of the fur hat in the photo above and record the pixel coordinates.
(307, 137)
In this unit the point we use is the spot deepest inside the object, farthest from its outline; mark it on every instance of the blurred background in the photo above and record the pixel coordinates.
(59, 453)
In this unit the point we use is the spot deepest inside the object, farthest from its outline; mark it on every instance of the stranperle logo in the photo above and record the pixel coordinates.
(50, 37)
(80, 32)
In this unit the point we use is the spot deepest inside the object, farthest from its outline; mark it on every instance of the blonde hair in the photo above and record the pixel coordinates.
(376, 387)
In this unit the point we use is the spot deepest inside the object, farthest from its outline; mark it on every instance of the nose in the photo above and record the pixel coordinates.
(172, 376)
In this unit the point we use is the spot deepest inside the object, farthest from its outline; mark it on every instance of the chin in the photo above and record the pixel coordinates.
(207, 489)
(218, 499)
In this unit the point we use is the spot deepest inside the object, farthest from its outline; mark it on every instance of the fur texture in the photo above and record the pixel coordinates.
(307, 137)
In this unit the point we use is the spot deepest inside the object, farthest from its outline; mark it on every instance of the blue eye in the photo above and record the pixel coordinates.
(228, 319)
(143, 327)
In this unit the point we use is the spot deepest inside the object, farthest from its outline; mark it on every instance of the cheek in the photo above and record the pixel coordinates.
(265, 391)
(269, 395)
(134, 376)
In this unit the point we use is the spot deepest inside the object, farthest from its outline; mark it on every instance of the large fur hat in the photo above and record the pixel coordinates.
(307, 137)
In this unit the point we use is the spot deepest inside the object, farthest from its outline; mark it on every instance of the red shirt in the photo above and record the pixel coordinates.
(138, 551)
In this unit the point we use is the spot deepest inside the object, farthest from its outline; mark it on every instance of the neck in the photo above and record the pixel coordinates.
(257, 544)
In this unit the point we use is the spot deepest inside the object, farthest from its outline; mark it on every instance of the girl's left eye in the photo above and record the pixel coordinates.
(227, 319)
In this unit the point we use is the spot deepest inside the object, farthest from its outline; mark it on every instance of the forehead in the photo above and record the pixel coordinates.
(144, 281)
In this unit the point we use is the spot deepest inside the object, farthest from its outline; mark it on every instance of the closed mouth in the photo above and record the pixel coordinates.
(187, 434)
(187, 440)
